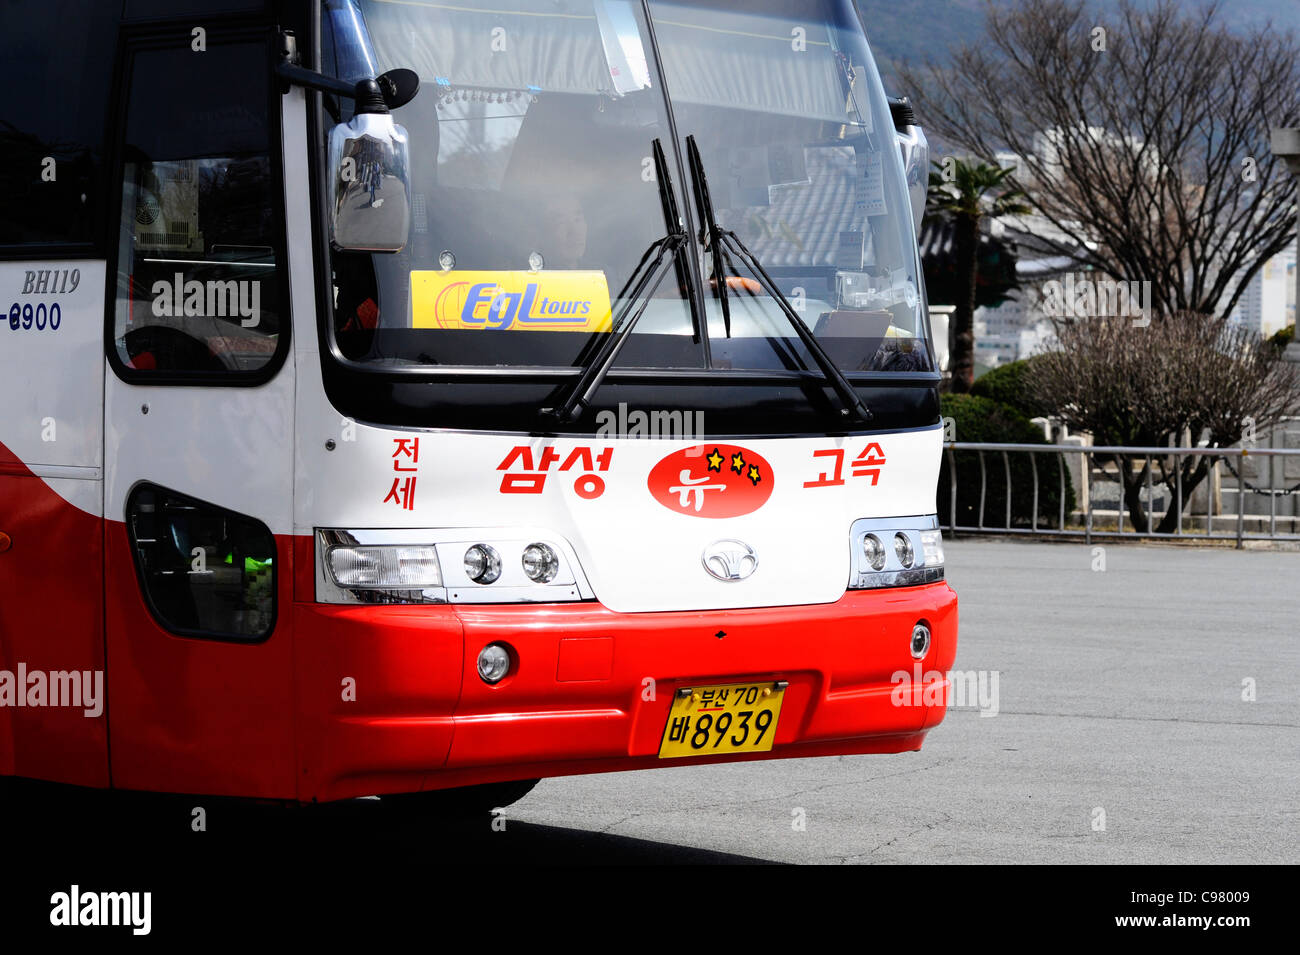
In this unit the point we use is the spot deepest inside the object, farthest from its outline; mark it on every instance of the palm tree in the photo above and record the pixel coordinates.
(976, 190)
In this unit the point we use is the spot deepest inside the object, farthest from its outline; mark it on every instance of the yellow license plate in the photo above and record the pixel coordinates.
(731, 718)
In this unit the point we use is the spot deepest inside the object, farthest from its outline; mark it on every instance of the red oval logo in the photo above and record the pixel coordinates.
(712, 480)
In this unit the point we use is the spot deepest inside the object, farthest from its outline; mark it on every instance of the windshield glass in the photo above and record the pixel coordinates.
(534, 193)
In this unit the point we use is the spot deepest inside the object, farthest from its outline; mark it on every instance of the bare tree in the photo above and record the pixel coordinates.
(1184, 374)
(1142, 137)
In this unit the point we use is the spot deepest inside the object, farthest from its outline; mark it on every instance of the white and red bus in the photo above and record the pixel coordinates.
(399, 395)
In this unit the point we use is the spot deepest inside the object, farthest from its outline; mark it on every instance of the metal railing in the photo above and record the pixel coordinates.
(1085, 521)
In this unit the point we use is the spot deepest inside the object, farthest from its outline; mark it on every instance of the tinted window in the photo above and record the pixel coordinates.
(199, 282)
(56, 61)
(157, 9)
(205, 571)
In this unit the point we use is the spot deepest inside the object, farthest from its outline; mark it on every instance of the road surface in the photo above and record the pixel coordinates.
(1121, 736)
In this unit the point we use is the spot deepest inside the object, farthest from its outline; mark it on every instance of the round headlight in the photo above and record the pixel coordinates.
(874, 551)
(493, 663)
(903, 548)
(482, 564)
(540, 563)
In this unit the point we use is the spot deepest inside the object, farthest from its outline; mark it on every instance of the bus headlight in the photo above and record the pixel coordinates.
(482, 564)
(915, 554)
(414, 565)
(903, 548)
(392, 567)
(874, 551)
(540, 563)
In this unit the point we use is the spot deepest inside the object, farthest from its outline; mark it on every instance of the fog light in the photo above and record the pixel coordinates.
(920, 641)
(874, 551)
(482, 564)
(903, 548)
(493, 663)
(540, 563)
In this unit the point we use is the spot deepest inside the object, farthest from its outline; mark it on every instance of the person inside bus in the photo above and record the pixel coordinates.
(561, 230)
(356, 314)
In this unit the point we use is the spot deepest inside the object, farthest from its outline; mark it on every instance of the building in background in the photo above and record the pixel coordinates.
(1268, 304)
(1018, 327)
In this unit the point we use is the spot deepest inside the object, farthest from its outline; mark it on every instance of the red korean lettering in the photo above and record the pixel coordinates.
(516, 483)
(826, 479)
(409, 448)
(520, 453)
(549, 457)
(589, 486)
(581, 456)
(869, 462)
(402, 493)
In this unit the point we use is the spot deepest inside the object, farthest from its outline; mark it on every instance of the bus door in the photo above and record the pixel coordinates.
(199, 417)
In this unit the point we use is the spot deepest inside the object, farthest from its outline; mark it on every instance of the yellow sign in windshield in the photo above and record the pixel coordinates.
(562, 301)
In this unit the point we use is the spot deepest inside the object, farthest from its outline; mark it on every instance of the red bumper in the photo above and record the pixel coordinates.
(389, 698)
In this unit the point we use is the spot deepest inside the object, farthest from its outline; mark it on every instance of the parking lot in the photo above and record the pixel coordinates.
(1121, 736)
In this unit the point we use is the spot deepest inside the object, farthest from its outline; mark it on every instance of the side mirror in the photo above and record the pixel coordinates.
(915, 148)
(369, 184)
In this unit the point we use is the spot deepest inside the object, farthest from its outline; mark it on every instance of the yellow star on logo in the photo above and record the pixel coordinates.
(738, 463)
(754, 475)
(715, 460)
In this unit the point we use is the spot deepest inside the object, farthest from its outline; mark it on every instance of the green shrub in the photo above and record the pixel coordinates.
(1282, 337)
(980, 419)
(1006, 384)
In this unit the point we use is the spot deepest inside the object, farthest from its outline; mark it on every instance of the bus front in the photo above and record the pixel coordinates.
(621, 443)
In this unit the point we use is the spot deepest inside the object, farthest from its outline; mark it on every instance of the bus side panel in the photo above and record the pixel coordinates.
(51, 507)
(51, 615)
(194, 715)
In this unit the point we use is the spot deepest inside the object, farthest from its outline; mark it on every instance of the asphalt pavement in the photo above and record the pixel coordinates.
(1147, 711)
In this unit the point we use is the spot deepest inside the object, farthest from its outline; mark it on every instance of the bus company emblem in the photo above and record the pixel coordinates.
(573, 300)
(712, 480)
(729, 560)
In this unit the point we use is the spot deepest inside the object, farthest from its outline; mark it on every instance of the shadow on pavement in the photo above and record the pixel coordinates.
(138, 828)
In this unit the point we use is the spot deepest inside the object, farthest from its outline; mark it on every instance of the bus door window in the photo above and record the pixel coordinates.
(199, 268)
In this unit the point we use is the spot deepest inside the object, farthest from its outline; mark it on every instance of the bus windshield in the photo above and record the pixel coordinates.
(534, 193)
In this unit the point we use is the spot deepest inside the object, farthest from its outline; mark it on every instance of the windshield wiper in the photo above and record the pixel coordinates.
(722, 243)
(636, 293)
